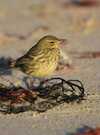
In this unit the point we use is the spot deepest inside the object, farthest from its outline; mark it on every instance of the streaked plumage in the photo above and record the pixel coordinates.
(42, 59)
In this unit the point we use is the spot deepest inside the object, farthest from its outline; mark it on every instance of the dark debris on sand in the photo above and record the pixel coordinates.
(48, 94)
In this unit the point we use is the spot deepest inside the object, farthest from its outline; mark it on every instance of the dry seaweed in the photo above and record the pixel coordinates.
(50, 93)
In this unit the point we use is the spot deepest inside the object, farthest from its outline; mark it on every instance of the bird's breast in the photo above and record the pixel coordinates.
(47, 64)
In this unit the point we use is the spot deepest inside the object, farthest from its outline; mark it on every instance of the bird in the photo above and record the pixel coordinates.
(42, 59)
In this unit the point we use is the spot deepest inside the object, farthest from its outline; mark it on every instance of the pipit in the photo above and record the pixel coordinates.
(42, 59)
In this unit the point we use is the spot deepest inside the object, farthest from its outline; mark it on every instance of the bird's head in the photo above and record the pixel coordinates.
(50, 42)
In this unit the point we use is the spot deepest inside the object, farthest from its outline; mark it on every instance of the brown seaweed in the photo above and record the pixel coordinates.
(50, 93)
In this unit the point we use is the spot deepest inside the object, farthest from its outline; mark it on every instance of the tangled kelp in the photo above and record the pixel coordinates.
(47, 95)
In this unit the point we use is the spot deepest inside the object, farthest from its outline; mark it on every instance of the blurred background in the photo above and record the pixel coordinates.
(23, 23)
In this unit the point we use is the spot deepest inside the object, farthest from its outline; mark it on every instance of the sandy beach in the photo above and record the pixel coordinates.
(23, 23)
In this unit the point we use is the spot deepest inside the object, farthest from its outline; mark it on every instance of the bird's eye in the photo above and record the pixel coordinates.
(51, 42)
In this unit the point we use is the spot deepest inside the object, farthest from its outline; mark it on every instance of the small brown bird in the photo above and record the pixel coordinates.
(42, 59)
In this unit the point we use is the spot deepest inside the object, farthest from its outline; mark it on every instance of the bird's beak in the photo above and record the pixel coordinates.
(63, 42)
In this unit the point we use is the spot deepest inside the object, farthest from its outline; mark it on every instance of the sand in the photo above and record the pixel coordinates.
(22, 23)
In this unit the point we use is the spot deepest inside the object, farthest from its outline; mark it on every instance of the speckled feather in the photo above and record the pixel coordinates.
(39, 62)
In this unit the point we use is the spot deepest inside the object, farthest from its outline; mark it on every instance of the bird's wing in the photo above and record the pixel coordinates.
(33, 54)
